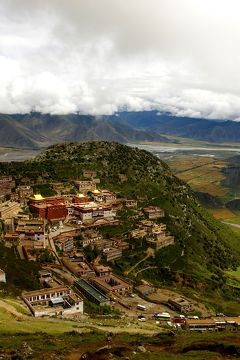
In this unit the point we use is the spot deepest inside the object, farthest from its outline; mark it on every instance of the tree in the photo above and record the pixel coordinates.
(46, 257)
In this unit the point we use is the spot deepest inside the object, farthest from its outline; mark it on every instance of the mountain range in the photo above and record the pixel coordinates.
(35, 130)
(40, 130)
(193, 128)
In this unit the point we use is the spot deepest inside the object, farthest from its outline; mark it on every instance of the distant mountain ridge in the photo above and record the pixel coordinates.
(37, 130)
(40, 130)
(194, 128)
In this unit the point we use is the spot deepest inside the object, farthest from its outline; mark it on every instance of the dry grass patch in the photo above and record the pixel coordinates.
(201, 173)
(222, 213)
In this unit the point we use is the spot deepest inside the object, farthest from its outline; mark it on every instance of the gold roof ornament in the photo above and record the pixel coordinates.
(37, 197)
(96, 191)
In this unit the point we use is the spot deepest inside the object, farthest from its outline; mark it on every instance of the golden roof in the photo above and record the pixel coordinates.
(37, 197)
(80, 195)
(96, 191)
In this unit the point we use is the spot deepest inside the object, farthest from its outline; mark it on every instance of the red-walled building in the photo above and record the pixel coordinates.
(55, 212)
(80, 199)
(50, 208)
(49, 212)
(37, 199)
(55, 200)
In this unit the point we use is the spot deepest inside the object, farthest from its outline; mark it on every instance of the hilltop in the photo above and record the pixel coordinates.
(204, 248)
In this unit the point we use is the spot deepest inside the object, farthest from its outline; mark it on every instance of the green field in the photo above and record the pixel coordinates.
(233, 220)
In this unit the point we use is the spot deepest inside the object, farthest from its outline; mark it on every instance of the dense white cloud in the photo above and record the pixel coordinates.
(99, 56)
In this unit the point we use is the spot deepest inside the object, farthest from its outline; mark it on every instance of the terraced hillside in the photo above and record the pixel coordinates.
(201, 173)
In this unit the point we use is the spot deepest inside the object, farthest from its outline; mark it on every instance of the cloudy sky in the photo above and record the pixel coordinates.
(101, 56)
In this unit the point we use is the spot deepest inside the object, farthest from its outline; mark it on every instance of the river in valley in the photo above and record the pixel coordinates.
(163, 151)
(174, 150)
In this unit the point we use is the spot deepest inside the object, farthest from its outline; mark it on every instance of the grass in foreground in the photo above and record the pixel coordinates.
(71, 346)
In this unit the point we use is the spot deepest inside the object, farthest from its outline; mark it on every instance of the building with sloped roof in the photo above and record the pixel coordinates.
(91, 292)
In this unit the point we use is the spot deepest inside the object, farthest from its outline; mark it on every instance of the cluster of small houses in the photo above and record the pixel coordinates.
(83, 214)
(57, 299)
(88, 210)
(60, 300)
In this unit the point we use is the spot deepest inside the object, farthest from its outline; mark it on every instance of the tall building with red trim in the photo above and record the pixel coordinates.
(50, 208)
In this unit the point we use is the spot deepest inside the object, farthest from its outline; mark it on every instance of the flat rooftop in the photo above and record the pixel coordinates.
(8, 205)
(102, 268)
(91, 206)
(46, 291)
(201, 322)
(214, 321)
(30, 222)
(181, 301)
(111, 282)
(33, 228)
(152, 209)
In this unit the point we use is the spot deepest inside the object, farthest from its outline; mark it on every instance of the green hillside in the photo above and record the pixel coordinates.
(204, 247)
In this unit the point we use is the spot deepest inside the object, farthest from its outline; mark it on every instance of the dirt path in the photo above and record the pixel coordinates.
(231, 224)
(133, 329)
(150, 252)
(144, 269)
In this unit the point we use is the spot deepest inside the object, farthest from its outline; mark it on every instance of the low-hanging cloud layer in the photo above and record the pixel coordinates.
(102, 56)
